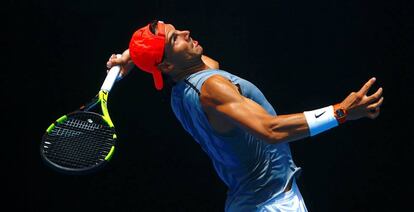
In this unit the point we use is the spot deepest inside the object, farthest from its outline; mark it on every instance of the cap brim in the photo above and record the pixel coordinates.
(158, 81)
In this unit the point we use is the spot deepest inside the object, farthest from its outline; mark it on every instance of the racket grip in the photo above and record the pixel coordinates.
(111, 77)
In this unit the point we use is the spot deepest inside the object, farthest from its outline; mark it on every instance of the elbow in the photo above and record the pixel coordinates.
(214, 65)
(274, 135)
(275, 138)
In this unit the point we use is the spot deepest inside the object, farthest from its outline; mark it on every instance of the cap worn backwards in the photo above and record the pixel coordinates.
(147, 49)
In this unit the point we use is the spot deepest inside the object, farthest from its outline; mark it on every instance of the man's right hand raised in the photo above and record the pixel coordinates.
(124, 62)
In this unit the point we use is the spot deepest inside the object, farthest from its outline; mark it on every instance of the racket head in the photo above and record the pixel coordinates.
(81, 142)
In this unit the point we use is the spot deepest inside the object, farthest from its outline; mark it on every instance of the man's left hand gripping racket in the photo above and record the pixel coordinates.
(82, 142)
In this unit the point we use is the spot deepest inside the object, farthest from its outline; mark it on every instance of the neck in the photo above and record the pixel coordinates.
(182, 73)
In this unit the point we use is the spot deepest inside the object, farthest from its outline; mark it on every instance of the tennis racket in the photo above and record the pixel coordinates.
(82, 141)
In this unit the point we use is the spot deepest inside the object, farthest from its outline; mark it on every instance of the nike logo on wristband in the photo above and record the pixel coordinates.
(317, 116)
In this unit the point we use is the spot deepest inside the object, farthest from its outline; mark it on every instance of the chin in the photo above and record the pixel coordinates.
(201, 50)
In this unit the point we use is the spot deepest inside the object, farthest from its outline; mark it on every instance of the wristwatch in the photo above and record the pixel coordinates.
(340, 113)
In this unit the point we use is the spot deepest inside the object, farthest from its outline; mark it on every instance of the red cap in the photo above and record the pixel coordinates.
(147, 49)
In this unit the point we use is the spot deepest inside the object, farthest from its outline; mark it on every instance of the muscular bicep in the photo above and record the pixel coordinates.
(221, 99)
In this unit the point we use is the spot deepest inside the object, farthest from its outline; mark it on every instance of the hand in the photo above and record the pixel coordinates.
(125, 64)
(359, 105)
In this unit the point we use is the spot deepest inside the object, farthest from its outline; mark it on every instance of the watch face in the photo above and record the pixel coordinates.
(340, 113)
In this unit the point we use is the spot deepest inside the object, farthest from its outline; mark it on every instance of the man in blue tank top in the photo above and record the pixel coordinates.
(247, 142)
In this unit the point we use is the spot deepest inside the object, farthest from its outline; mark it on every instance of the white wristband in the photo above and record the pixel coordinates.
(320, 120)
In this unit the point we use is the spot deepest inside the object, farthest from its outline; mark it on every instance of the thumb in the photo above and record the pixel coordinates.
(109, 64)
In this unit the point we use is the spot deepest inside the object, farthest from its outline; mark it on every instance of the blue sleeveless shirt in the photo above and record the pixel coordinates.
(253, 170)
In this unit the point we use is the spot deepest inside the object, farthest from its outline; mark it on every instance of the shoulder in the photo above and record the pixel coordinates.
(215, 82)
(218, 89)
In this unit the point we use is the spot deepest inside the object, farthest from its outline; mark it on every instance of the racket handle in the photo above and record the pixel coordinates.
(111, 77)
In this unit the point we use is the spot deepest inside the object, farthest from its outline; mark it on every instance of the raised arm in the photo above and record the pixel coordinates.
(127, 64)
(221, 100)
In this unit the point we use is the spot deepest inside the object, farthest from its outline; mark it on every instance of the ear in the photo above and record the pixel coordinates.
(166, 67)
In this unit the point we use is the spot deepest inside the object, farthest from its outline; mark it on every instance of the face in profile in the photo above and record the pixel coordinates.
(180, 48)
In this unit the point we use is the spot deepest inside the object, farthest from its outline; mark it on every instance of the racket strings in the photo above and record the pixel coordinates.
(82, 141)
(79, 151)
(76, 156)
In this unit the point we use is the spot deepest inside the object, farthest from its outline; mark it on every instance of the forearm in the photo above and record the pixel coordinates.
(126, 57)
(309, 123)
(287, 128)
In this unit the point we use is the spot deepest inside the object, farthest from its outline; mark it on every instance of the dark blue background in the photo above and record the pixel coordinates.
(302, 54)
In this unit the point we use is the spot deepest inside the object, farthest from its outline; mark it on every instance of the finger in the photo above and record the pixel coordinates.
(366, 86)
(109, 64)
(374, 97)
(113, 62)
(116, 60)
(374, 114)
(376, 104)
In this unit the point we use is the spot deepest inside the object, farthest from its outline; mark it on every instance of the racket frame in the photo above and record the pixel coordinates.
(102, 98)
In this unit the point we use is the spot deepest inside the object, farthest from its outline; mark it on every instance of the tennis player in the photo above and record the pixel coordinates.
(230, 118)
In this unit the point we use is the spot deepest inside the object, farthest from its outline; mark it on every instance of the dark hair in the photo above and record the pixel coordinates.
(153, 26)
